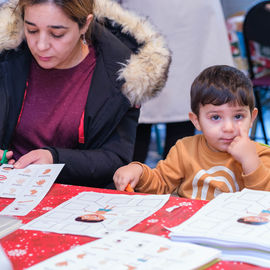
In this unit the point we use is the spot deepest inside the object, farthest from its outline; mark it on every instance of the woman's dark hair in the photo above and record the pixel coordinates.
(219, 85)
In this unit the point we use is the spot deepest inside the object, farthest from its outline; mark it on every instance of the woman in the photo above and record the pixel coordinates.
(72, 75)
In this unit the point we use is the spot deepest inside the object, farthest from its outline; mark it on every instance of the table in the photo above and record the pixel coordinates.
(26, 248)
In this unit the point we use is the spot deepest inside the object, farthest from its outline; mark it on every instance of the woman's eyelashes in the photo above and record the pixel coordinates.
(32, 32)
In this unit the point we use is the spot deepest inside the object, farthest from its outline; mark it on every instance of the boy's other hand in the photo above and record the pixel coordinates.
(129, 174)
(243, 149)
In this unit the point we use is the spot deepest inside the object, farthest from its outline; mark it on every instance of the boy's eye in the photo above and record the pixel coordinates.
(238, 116)
(215, 117)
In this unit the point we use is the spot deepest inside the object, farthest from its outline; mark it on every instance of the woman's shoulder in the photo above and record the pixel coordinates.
(21, 51)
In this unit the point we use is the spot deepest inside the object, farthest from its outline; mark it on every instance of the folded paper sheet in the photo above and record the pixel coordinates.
(28, 186)
(98, 214)
(132, 250)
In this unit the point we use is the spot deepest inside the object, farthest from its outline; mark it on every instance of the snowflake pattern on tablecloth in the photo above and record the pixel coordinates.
(17, 252)
(152, 220)
(47, 208)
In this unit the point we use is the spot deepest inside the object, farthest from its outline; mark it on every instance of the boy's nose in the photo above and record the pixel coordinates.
(228, 126)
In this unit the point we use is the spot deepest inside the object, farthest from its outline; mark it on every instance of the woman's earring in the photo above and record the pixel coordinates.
(84, 39)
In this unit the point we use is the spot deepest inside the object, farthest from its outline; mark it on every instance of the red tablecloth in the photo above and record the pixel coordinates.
(25, 248)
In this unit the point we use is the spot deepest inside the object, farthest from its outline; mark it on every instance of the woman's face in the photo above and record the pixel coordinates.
(52, 37)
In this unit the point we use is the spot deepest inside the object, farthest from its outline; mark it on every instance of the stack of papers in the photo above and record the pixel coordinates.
(236, 223)
(8, 225)
(132, 250)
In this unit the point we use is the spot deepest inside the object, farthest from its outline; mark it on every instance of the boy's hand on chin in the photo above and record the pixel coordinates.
(243, 149)
(241, 145)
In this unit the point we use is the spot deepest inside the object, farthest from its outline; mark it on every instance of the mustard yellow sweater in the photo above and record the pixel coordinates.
(193, 170)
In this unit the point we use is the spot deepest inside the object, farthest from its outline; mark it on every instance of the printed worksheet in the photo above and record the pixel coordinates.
(98, 214)
(240, 218)
(28, 186)
(131, 251)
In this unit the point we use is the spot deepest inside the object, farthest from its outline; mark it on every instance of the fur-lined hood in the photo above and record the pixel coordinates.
(145, 73)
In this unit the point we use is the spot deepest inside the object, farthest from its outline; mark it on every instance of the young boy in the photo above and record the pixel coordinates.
(222, 158)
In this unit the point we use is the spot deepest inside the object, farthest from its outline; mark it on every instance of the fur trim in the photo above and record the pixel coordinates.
(11, 26)
(145, 73)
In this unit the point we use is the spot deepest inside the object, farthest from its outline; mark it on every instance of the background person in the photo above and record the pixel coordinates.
(198, 38)
(72, 75)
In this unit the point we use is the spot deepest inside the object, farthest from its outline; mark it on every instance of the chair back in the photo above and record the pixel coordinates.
(256, 29)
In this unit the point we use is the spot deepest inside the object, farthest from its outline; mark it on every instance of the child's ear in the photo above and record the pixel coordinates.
(194, 119)
(254, 114)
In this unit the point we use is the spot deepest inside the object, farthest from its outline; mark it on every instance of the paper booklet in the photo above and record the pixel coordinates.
(28, 186)
(98, 214)
(132, 250)
(236, 223)
(8, 225)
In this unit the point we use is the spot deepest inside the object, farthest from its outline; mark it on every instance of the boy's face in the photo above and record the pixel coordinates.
(221, 124)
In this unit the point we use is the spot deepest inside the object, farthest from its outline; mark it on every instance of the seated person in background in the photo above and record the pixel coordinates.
(222, 158)
(72, 74)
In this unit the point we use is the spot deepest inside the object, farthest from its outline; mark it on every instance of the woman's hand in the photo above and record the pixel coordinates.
(9, 155)
(129, 174)
(39, 156)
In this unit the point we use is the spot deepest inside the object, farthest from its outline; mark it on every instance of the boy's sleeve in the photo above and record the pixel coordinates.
(260, 178)
(167, 175)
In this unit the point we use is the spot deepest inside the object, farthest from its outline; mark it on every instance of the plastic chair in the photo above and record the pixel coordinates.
(256, 31)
